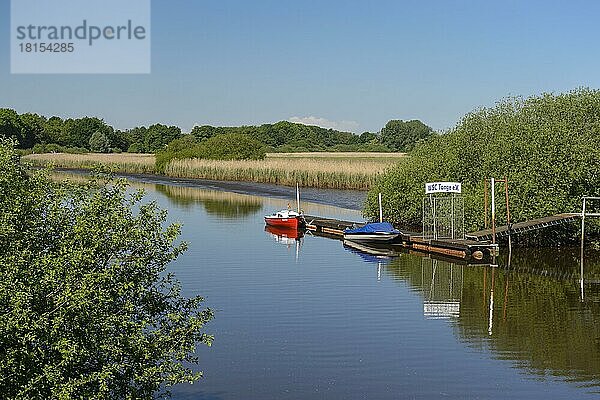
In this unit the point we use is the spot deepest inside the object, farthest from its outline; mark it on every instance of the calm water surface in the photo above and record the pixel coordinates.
(311, 319)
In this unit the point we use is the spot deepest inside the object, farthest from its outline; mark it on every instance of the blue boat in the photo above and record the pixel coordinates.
(373, 232)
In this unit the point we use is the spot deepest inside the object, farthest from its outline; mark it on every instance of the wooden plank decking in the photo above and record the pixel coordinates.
(527, 226)
(476, 245)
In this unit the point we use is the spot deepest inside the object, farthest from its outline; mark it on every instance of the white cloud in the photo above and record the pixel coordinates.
(346, 126)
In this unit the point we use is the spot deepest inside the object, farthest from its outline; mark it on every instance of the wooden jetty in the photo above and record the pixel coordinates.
(456, 248)
(522, 227)
(330, 226)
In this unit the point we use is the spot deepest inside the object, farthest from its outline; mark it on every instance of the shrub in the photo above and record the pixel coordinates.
(228, 146)
(136, 148)
(548, 146)
(231, 146)
(88, 310)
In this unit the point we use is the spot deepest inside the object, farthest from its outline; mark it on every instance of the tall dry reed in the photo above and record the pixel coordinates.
(323, 170)
(125, 162)
(347, 173)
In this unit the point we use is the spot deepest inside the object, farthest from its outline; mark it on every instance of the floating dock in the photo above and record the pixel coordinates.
(527, 226)
(455, 248)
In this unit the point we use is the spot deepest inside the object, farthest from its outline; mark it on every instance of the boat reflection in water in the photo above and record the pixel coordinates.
(372, 253)
(289, 237)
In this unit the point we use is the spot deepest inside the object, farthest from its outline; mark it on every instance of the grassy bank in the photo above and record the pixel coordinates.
(323, 170)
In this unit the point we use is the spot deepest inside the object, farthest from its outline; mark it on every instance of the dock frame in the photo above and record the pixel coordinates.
(455, 248)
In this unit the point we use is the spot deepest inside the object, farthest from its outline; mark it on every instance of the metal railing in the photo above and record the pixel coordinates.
(443, 217)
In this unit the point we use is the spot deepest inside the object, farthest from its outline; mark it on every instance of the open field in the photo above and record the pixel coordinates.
(323, 170)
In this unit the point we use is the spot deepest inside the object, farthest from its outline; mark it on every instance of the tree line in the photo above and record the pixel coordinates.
(78, 135)
(33, 131)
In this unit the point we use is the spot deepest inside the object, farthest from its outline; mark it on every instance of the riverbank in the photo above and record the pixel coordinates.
(354, 171)
(344, 199)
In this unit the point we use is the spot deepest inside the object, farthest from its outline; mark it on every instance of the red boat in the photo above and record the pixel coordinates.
(285, 219)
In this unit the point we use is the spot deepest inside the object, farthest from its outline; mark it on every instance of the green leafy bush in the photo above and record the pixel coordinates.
(548, 146)
(88, 311)
(227, 146)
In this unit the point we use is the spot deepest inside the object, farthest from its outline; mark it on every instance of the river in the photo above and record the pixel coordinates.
(312, 319)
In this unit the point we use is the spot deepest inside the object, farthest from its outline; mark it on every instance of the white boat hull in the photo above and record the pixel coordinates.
(371, 237)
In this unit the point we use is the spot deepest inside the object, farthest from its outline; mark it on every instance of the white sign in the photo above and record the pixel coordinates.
(443, 187)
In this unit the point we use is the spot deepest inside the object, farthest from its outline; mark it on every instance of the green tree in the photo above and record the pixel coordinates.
(135, 139)
(79, 131)
(118, 140)
(11, 127)
(54, 132)
(203, 132)
(158, 136)
(99, 143)
(404, 135)
(33, 129)
(87, 308)
(368, 137)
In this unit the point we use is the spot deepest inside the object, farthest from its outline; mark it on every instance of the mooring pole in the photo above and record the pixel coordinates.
(582, 222)
(485, 202)
(298, 197)
(423, 210)
(435, 236)
(581, 280)
(452, 217)
(380, 209)
(493, 184)
(507, 213)
(582, 242)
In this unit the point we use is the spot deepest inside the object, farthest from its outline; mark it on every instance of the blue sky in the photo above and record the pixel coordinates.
(346, 64)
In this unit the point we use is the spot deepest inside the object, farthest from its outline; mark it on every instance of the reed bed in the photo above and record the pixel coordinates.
(321, 172)
(338, 154)
(125, 162)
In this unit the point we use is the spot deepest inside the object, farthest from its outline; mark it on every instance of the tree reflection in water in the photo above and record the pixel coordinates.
(529, 311)
(223, 204)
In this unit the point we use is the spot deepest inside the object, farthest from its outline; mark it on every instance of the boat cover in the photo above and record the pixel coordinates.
(374, 227)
